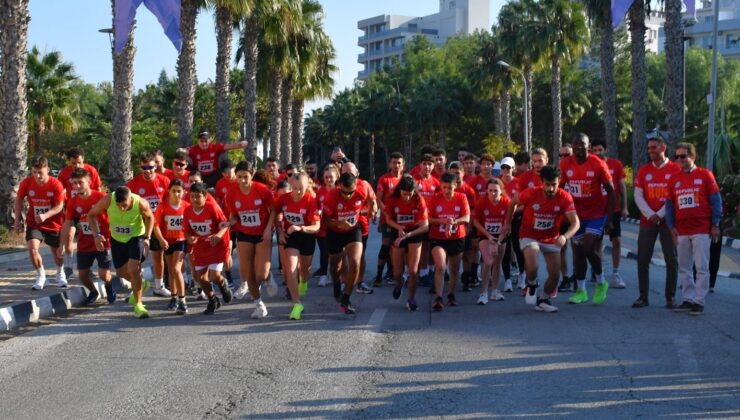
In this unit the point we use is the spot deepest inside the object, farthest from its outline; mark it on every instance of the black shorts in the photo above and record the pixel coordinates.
(469, 238)
(85, 259)
(364, 243)
(252, 239)
(564, 226)
(212, 179)
(181, 246)
(387, 231)
(336, 241)
(154, 244)
(616, 231)
(504, 242)
(305, 243)
(124, 251)
(48, 237)
(452, 247)
(412, 240)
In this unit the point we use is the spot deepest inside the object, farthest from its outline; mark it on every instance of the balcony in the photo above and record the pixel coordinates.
(363, 74)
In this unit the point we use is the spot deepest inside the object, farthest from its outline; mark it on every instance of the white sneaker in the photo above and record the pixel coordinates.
(61, 279)
(162, 291)
(497, 296)
(508, 286)
(40, 282)
(201, 296)
(270, 285)
(617, 282)
(242, 290)
(482, 299)
(323, 281)
(260, 311)
(530, 297)
(545, 306)
(522, 281)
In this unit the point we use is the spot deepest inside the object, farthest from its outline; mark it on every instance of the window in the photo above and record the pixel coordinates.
(732, 41)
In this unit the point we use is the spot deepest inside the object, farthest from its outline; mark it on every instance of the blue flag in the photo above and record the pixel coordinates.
(619, 9)
(166, 11)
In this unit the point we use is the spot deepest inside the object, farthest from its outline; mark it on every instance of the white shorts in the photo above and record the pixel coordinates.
(212, 267)
(539, 246)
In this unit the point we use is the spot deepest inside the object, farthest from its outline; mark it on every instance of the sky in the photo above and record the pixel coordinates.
(71, 27)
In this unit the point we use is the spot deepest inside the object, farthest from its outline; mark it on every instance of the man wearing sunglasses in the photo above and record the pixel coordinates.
(693, 212)
(152, 187)
(206, 156)
(179, 167)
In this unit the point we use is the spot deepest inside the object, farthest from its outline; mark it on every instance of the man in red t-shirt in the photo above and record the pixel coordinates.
(45, 196)
(206, 155)
(440, 163)
(427, 186)
(651, 190)
(469, 276)
(367, 213)
(386, 184)
(545, 208)
(479, 183)
(584, 175)
(470, 163)
(693, 212)
(179, 168)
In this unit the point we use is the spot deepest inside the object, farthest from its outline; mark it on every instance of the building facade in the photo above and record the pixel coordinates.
(698, 33)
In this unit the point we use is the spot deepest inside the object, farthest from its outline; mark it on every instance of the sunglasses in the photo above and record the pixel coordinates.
(289, 174)
(147, 167)
(505, 168)
(180, 164)
(562, 155)
(683, 156)
(347, 193)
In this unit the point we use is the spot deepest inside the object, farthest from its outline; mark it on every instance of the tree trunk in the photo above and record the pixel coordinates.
(14, 20)
(674, 105)
(286, 115)
(251, 54)
(506, 114)
(498, 126)
(296, 137)
(636, 15)
(223, 68)
(356, 152)
(557, 124)
(119, 170)
(275, 121)
(371, 158)
(442, 137)
(529, 76)
(186, 77)
(608, 84)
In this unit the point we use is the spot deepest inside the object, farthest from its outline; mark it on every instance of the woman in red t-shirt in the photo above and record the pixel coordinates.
(406, 215)
(449, 212)
(488, 218)
(169, 231)
(331, 174)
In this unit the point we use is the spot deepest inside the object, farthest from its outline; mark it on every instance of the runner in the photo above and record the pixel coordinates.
(449, 212)
(693, 213)
(544, 208)
(170, 233)
(250, 207)
(585, 174)
(227, 181)
(470, 162)
(511, 186)
(131, 224)
(651, 190)
(179, 168)
(425, 150)
(152, 187)
(206, 156)
(469, 276)
(568, 283)
(272, 166)
(528, 179)
(341, 214)
(44, 219)
(479, 183)
(440, 163)
(297, 236)
(207, 232)
(82, 201)
(427, 186)
(488, 219)
(311, 171)
(330, 177)
(386, 184)
(159, 167)
(407, 217)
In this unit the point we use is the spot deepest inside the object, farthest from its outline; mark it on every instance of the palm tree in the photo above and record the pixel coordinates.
(186, 75)
(14, 20)
(123, 87)
(674, 105)
(51, 100)
(636, 14)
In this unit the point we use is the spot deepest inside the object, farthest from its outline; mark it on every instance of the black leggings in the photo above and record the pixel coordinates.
(516, 224)
(323, 256)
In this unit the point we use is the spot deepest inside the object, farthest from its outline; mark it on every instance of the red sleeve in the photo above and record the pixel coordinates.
(639, 177)
(313, 212)
(604, 175)
(267, 197)
(218, 215)
(478, 209)
(463, 200)
(563, 171)
(95, 182)
(220, 148)
(69, 212)
(424, 209)
(525, 195)
(58, 192)
(186, 223)
(712, 187)
(568, 203)
(328, 207)
(159, 216)
(620, 173)
(22, 190)
(277, 203)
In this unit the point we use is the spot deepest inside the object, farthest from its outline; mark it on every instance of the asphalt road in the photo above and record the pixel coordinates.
(500, 360)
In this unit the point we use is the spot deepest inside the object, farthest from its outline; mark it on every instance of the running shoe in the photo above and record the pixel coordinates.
(398, 289)
(566, 285)
(530, 297)
(438, 304)
(270, 285)
(302, 288)
(388, 277)
(61, 279)
(466, 282)
(347, 308)
(521, 283)
(482, 299)
(641, 302)
(260, 311)
(697, 310)
(580, 296)
(508, 287)
(496, 295)
(451, 301)
(323, 281)
(200, 295)
(600, 293)
(172, 305)
(229, 277)
(411, 305)
(242, 290)
(161, 291)
(362, 288)
(670, 303)
(213, 304)
(317, 273)
(686, 306)
(543, 305)
(225, 292)
(554, 293)
(110, 293)
(40, 282)
(144, 287)
(92, 297)
(711, 290)
(140, 311)
(617, 282)
(296, 312)
(68, 271)
(378, 282)
(182, 307)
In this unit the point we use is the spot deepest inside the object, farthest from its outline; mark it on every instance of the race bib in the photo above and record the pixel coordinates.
(206, 166)
(493, 228)
(404, 219)
(201, 228)
(575, 190)
(85, 228)
(40, 210)
(543, 224)
(153, 203)
(295, 219)
(249, 219)
(173, 222)
(443, 228)
(122, 230)
(352, 220)
(686, 201)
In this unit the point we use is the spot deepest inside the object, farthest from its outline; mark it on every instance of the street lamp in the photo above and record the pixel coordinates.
(712, 98)
(108, 31)
(526, 92)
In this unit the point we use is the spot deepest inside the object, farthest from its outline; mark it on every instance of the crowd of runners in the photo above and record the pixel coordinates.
(468, 221)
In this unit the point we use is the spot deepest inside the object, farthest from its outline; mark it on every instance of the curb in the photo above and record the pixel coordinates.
(31, 311)
(726, 240)
(626, 253)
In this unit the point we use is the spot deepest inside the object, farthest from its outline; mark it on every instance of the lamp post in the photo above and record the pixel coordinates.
(712, 98)
(526, 94)
(108, 31)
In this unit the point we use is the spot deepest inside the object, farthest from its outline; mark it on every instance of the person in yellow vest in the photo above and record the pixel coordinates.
(131, 223)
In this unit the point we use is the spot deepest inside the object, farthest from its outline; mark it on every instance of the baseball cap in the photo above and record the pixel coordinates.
(508, 162)
(454, 165)
(204, 135)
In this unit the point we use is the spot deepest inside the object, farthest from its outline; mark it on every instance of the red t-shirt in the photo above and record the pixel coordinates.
(512, 188)
(479, 185)
(529, 179)
(654, 184)
(441, 208)
(321, 196)
(386, 184)
(303, 212)
(542, 216)
(204, 224)
(416, 171)
(154, 191)
(66, 173)
(206, 161)
(616, 170)
(406, 213)
(252, 209)
(491, 215)
(437, 175)
(690, 193)
(223, 186)
(427, 187)
(337, 207)
(469, 192)
(364, 218)
(41, 198)
(170, 174)
(584, 182)
(76, 212)
(170, 220)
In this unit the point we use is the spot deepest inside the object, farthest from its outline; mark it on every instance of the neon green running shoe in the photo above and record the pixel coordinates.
(144, 287)
(296, 312)
(140, 311)
(302, 288)
(581, 296)
(600, 293)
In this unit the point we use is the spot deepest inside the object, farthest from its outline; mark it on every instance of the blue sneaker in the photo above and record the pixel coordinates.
(110, 293)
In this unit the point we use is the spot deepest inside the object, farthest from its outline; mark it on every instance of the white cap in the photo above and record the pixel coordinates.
(508, 162)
